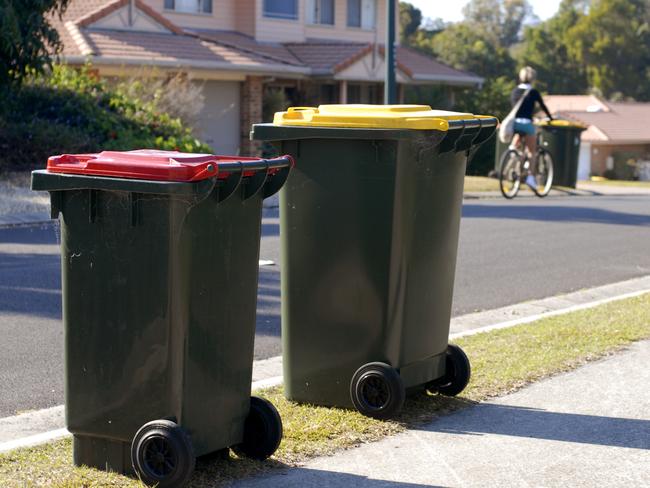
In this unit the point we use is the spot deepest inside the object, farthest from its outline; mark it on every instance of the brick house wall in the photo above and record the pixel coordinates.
(252, 93)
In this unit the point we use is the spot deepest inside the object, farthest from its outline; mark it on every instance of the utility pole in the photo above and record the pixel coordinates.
(390, 91)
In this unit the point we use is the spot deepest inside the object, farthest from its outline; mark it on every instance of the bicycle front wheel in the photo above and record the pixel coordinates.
(510, 173)
(544, 173)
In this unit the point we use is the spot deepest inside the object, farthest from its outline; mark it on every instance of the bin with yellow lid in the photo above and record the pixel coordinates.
(369, 230)
(561, 138)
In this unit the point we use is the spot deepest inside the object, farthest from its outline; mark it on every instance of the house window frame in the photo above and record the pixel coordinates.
(360, 25)
(318, 12)
(278, 16)
(205, 7)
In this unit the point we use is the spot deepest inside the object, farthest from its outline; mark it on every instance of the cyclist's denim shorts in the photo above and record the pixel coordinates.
(524, 128)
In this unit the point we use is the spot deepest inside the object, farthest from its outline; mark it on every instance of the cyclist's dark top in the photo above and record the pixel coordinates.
(528, 105)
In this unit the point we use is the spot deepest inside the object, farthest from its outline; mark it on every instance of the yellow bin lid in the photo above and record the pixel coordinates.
(418, 117)
(561, 123)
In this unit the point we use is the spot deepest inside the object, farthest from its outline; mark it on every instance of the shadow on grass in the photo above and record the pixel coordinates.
(222, 468)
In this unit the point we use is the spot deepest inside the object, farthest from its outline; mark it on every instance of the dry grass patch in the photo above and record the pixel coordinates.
(637, 184)
(480, 183)
(503, 361)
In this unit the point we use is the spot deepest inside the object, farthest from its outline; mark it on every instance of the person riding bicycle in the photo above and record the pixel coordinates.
(524, 117)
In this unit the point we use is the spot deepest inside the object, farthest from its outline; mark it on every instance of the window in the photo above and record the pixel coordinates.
(190, 6)
(362, 13)
(281, 9)
(320, 12)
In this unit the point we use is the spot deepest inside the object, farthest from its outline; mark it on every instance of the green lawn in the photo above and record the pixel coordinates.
(503, 361)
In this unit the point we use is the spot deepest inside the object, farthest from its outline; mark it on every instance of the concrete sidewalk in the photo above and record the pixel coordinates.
(590, 427)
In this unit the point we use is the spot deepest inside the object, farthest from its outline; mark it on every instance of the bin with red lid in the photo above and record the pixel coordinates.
(159, 254)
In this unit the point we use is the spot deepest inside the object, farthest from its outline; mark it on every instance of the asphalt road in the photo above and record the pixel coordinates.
(509, 252)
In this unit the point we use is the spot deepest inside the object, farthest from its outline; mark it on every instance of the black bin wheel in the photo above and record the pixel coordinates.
(262, 430)
(162, 454)
(457, 375)
(377, 390)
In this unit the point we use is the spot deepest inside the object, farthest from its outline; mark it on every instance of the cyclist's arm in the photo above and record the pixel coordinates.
(543, 105)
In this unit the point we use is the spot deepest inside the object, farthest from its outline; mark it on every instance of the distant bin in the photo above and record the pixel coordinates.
(561, 138)
(159, 255)
(369, 229)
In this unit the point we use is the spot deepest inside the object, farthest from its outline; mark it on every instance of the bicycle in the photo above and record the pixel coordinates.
(516, 165)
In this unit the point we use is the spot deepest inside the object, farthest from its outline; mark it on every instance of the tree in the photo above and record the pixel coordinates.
(500, 20)
(27, 38)
(545, 48)
(410, 19)
(464, 47)
(612, 42)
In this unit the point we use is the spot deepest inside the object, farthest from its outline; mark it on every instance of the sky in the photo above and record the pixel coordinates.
(452, 10)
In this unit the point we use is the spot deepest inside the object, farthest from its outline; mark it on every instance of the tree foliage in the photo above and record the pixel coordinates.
(72, 111)
(545, 48)
(410, 19)
(499, 20)
(612, 43)
(27, 38)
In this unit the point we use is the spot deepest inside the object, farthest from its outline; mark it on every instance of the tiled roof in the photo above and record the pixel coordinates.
(421, 66)
(625, 122)
(76, 10)
(113, 5)
(147, 46)
(214, 48)
(273, 51)
(324, 56)
(575, 103)
(179, 47)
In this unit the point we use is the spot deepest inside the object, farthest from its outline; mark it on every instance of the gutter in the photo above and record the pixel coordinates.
(466, 80)
(263, 69)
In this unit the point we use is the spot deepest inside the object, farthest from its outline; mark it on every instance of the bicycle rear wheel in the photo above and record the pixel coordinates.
(544, 172)
(510, 173)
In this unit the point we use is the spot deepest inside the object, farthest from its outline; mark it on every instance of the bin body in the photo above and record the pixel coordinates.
(159, 283)
(562, 140)
(370, 222)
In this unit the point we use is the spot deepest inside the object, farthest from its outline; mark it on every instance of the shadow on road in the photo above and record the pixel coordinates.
(268, 302)
(555, 213)
(487, 418)
(30, 284)
(30, 234)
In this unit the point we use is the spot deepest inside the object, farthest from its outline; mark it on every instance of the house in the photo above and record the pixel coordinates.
(617, 137)
(239, 51)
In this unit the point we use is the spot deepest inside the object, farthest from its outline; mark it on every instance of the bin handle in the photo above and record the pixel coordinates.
(269, 174)
(256, 165)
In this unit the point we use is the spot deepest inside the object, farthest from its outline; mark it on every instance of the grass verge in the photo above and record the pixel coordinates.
(480, 183)
(636, 184)
(503, 361)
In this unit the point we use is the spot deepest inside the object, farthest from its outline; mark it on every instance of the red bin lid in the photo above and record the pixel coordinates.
(144, 164)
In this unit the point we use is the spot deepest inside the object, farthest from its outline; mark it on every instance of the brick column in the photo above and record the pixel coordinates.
(252, 91)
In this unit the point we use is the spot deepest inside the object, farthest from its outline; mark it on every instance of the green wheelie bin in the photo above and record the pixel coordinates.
(561, 138)
(159, 258)
(369, 229)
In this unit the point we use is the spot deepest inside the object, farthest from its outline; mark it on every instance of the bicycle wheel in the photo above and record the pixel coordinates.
(544, 172)
(510, 173)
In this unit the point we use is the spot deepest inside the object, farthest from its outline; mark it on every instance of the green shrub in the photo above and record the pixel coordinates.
(72, 111)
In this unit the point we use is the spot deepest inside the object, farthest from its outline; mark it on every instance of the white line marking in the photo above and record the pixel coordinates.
(34, 440)
(543, 315)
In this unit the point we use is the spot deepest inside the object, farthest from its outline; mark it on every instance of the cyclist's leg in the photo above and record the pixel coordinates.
(516, 141)
(531, 145)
